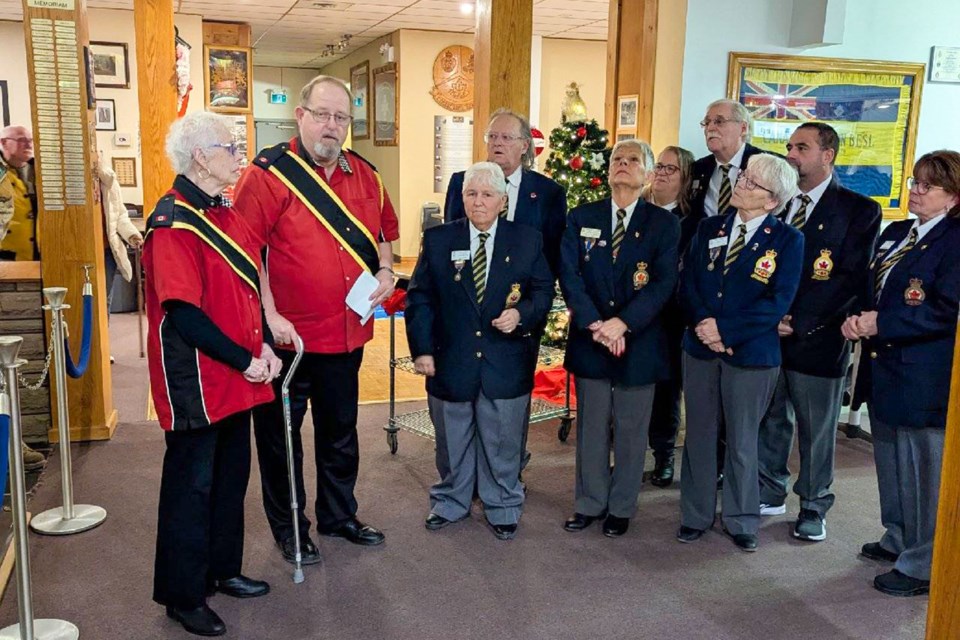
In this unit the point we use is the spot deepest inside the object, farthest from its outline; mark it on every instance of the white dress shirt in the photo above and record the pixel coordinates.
(513, 192)
(626, 220)
(713, 192)
(814, 194)
(922, 230)
(752, 227)
(475, 244)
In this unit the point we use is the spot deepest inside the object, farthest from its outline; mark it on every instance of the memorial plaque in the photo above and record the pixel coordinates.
(452, 149)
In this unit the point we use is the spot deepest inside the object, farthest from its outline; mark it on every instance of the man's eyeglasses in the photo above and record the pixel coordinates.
(500, 137)
(716, 121)
(231, 147)
(323, 117)
(922, 188)
(23, 142)
(665, 169)
(748, 182)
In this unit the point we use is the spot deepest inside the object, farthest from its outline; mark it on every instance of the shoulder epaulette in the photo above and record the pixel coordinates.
(162, 215)
(369, 164)
(268, 156)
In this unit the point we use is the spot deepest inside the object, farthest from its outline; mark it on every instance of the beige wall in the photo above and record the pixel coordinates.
(267, 79)
(13, 52)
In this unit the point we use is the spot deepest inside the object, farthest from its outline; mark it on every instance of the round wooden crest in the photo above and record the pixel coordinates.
(453, 78)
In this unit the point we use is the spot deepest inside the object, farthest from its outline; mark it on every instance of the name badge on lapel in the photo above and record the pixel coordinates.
(822, 266)
(459, 259)
(514, 296)
(590, 236)
(764, 267)
(641, 277)
(914, 295)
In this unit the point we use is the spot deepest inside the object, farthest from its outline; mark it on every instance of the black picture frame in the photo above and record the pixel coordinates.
(4, 104)
(106, 114)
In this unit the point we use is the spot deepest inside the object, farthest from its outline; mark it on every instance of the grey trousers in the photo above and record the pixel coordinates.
(813, 405)
(908, 477)
(478, 444)
(741, 395)
(604, 410)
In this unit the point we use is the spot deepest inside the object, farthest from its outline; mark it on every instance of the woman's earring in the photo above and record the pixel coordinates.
(200, 173)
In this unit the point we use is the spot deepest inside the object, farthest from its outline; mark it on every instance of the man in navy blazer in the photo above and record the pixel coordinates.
(619, 268)
(739, 278)
(481, 285)
(839, 229)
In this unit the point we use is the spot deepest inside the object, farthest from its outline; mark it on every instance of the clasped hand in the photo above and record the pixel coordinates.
(611, 334)
(265, 368)
(709, 334)
(861, 326)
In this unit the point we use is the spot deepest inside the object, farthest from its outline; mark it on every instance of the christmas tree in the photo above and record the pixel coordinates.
(578, 161)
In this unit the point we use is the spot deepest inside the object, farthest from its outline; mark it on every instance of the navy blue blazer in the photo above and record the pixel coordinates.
(541, 204)
(839, 237)
(747, 303)
(905, 368)
(596, 288)
(444, 320)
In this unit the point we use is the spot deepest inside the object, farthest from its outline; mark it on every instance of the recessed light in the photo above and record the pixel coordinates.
(466, 7)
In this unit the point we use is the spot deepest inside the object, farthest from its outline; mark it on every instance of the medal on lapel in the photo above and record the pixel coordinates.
(640, 277)
(514, 296)
(459, 259)
(822, 266)
(764, 267)
(914, 295)
(589, 236)
(715, 246)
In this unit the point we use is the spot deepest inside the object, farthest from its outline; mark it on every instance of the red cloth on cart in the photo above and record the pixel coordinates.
(550, 385)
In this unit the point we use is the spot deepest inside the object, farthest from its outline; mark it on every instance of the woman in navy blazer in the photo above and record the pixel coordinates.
(905, 369)
(739, 277)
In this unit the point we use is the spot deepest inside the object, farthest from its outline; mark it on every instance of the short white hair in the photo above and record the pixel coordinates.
(776, 174)
(488, 173)
(739, 112)
(646, 151)
(197, 130)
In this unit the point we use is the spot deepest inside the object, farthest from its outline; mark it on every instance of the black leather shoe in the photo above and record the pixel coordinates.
(874, 551)
(579, 522)
(663, 472)
(894, 583)
(356, 532)
(745, 541)
(242, 587)
(614, 527)
(435, 522)
(309, 554)
(688, 534)
(504, 531)
(202, 621)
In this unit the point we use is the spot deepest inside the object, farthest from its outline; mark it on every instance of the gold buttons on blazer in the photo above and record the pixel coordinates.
(479, 354)
(479, 334)
(873, 354)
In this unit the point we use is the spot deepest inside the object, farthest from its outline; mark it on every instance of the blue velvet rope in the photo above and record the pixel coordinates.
(78, 369)
(4, 450)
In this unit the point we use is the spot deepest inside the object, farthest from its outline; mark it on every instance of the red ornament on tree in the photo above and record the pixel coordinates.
(576, 163)
(595, 182)
(582, 132)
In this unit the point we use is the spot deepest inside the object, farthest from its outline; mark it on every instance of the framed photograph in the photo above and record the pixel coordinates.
(386, 106)
(126, 170)
(873, 105)
(4, 104)
(360, 107)
(227, 79)
(106, 115)
(627, 112)
(111, 68)
(626, 135)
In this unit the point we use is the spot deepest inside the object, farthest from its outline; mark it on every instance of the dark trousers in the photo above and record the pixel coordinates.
(665, 419)
(200, 519)
(331, 383)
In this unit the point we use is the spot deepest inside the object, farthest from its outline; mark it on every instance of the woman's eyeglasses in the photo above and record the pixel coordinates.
(748, 182)
(921, 187)
(665, 169)
(231, 147)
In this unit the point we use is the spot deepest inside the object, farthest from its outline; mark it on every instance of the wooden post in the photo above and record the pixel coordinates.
(157, 91)
(943, 612)
(70, 222)
(502, 62)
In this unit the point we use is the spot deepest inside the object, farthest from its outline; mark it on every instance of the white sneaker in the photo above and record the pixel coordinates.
(772, 509)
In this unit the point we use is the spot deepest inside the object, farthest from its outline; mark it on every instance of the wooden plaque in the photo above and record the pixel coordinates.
(453, 78)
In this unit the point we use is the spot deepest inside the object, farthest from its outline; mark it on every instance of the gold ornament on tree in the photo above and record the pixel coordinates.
(574, 110)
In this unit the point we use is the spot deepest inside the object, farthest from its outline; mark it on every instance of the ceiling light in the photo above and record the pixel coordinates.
(466, 7)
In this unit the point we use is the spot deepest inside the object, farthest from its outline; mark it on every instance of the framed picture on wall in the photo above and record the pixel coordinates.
(386, 106)
(227, 79)
(106, 115)
(360, 107)
(873, 105)
(126, 170)
(111, 68)
(627, 112)
(4, 105)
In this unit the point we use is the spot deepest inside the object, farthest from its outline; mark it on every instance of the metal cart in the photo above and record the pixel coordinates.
(418, 422)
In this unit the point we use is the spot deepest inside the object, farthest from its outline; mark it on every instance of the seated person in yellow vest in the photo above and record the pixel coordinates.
(18, 239)
(480, 289)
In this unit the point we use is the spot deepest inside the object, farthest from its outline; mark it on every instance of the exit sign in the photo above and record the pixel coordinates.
(278, 97)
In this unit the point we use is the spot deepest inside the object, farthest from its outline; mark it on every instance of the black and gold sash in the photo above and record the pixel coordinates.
(177, 214)
(317, 196)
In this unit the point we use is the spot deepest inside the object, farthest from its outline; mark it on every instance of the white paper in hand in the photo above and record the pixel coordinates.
(359, 297)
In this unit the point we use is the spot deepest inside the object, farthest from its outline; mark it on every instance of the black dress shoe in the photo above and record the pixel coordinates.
(874, 551)
(202, 621)
(435, 522)
(242, 587)
(356, 532)
(504, 531)
(579, 522)
(663, 472)
(614, 527)
(688, 534)
(309, 554)
(745, 541)
(894, 583)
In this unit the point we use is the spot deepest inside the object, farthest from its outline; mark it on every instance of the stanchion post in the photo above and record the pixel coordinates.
(28, 628)
(69, 518)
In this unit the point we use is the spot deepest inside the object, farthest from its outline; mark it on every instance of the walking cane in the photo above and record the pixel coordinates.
(136, 261)
(288, 427)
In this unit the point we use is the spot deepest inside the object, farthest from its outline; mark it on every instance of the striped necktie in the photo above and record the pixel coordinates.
(618, 232)
(890, 262)
(480, 266)
(736, 248)
(725, 190)
(800, 217)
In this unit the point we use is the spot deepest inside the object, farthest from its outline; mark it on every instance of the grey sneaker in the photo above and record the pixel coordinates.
(772, 509)
(810, 526)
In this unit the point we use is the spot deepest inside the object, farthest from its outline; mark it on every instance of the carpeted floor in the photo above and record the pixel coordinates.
(461, 582)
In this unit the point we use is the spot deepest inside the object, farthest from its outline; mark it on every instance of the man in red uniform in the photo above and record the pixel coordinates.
(324, 217)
